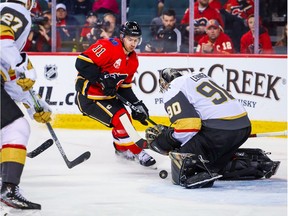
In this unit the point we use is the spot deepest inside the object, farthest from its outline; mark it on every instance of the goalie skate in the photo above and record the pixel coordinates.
(202, 180)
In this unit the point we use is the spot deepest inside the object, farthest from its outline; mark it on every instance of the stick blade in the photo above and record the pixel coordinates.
(85, 156)
(40, 148)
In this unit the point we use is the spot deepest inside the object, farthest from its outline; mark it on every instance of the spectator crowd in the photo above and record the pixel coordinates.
(219, 26)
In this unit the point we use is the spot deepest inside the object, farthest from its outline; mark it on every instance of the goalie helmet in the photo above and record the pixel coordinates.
(29, 4)
(166, 76)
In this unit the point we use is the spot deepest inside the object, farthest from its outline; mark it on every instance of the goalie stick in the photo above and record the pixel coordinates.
(70, 164)
(40, 148)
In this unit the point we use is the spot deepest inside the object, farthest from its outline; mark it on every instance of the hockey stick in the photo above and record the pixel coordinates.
(70, 164)
(127, 103)
(269, 134)
(40, 148)
(135, 137)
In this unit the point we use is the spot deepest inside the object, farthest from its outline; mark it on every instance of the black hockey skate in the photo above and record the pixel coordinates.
(11, 196)
(145, 159)
(202, 180)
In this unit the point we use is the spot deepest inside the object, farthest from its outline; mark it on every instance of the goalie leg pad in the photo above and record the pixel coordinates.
(189, 171)
(249, 164)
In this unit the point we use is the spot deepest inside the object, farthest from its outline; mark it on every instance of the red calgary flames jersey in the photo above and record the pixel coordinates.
(109, 55)
(202, 17)
(223, 44)
(247, 43)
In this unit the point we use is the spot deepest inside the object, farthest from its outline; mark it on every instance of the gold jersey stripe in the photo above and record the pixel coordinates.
(6, 31)
(125, 144)
(104, 109)
(84, 58)
(187, 123)
(235, 117)
(125, 85)
(16, 155)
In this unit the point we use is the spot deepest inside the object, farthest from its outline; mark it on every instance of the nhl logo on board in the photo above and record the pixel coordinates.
(50, 72)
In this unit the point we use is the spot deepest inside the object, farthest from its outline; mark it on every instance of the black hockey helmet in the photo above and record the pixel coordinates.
(131, 28)
(166, 76)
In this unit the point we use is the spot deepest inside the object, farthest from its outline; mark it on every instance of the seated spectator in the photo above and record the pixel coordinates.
(103, 29)
(39, 39)
(247, 40)
(67, 26)
(215, 41)
(283, 40)
(85, 36)
(235, 13)
(216, 4)
(109, 24)
(240, 8)
(155, 25)
(106, 6)
(168, 38)
(82, 7)
(39, 7)
(202, 13)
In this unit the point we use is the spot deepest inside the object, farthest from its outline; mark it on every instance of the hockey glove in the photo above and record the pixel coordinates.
(160, 139)
(141, 113)
(38, 109)
(109, 83)
(25, 73)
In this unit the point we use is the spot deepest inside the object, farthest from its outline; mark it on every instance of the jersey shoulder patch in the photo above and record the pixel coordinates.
(113, 41)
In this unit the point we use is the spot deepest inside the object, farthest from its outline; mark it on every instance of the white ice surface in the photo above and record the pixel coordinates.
(108, 185)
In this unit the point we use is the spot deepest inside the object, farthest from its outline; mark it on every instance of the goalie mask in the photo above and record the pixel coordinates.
(166, 76)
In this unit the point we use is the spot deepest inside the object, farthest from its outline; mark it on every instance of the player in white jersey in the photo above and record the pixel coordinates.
(208, 126)
(17, 79)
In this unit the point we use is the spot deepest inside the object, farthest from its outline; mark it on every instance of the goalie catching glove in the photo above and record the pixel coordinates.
(160, 139)
(25, 73)
(38, 109)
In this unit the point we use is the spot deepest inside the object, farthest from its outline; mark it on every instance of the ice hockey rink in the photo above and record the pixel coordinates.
(108, 185)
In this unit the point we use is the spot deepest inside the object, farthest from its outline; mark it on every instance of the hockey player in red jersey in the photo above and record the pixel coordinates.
(106, 68)
(17, 78)
(215, 40)
(208, 125)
